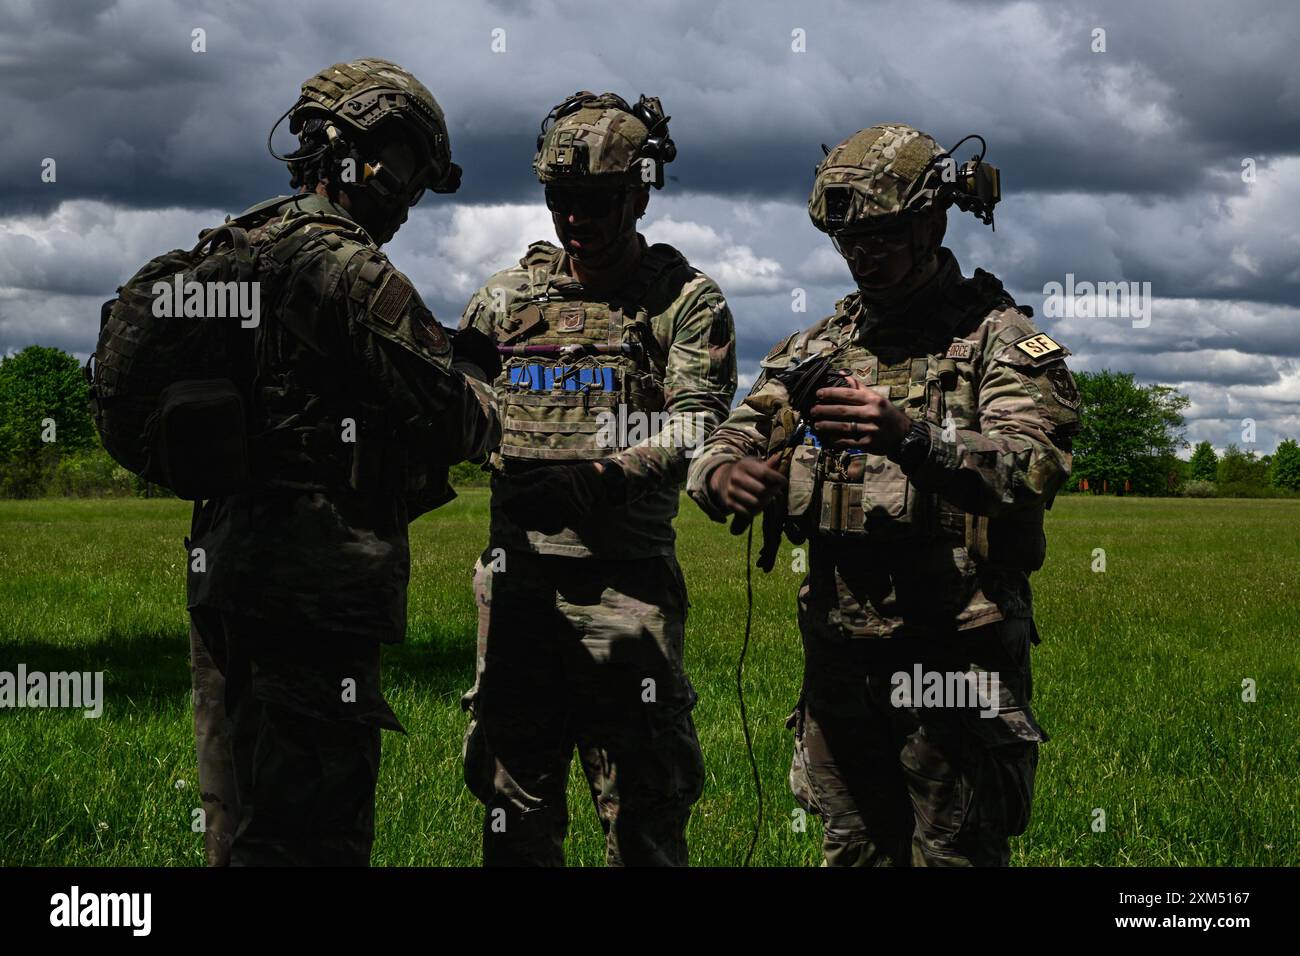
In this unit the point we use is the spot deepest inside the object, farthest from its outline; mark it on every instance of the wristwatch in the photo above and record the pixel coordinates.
(914, 448)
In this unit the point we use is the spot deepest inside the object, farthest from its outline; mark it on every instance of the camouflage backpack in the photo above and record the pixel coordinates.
(171, 376)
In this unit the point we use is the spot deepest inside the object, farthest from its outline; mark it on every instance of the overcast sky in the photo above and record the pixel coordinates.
(1170, 157)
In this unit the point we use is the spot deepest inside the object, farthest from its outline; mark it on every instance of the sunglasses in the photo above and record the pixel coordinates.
(589, 203)
(872, 246)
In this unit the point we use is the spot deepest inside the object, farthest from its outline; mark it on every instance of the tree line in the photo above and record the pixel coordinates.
(1129, 442)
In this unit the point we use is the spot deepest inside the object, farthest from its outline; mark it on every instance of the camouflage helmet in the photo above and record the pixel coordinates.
(602, 136)
(362, 95)
(876, 177)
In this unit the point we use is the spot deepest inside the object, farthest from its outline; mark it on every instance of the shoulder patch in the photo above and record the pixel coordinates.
(1063, 387)
(394, 310)
(388, 302)
(1039, 346)
(1034, 349)
(428, 330)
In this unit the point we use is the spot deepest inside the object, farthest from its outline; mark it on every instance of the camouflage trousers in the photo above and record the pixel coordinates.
(903, 773)
(286, 729)
(585, 654)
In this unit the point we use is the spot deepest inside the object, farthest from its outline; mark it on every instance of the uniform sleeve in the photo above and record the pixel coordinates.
(1020, 455)
(699, 383)
(404, 356)
(746, 432)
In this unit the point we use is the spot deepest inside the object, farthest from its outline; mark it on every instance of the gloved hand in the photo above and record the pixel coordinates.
(472, 347)
(556, 497)
(803, 379)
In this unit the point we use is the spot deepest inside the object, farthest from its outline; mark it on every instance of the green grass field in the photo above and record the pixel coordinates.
(1138, 680)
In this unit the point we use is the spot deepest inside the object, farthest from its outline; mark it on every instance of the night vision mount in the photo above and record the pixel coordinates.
(659, 146)
(976, 185)
(973, 186)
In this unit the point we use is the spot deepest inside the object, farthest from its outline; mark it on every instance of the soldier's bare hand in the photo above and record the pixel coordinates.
(747, 485)
(855, 416)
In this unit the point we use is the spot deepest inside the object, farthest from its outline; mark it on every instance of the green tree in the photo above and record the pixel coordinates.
(1205, 462)
(1286, 465)
(1241, 468)
(43, 416)
(1130, 433)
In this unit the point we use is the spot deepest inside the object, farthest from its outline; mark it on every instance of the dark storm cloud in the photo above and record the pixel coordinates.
(113, 92)
(1122, 165)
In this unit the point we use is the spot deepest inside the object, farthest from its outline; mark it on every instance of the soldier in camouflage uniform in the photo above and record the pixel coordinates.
(919, 482)
(618, 360)
(360, 404)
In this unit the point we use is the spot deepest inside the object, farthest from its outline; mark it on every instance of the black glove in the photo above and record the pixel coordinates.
(803, 379)
(475, 348)
(555, 497)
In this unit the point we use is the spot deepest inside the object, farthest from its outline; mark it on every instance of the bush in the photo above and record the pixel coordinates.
(1199, 489)
(27, 476)
(1249, 489)
(91, 474)
(466, 474)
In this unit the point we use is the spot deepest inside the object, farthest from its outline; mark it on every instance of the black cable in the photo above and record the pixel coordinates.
(740, 690)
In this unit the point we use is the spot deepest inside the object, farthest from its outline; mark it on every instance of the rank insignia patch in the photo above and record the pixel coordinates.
(572, 320)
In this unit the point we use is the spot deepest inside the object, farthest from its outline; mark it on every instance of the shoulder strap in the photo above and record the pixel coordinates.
(656, 262)
(985, 291)
(800, 350)
(538, 262)
(261, 210)
(286, 239)
(539, 253)
(235, 235)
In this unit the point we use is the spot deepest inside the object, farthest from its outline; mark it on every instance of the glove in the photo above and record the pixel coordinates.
(556, 497)
(472, 347)
(803, 379)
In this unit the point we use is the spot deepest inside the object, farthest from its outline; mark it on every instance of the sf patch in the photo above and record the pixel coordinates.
(1040, 347)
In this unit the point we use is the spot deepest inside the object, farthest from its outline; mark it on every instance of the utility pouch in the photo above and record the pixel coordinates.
(201, 430)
